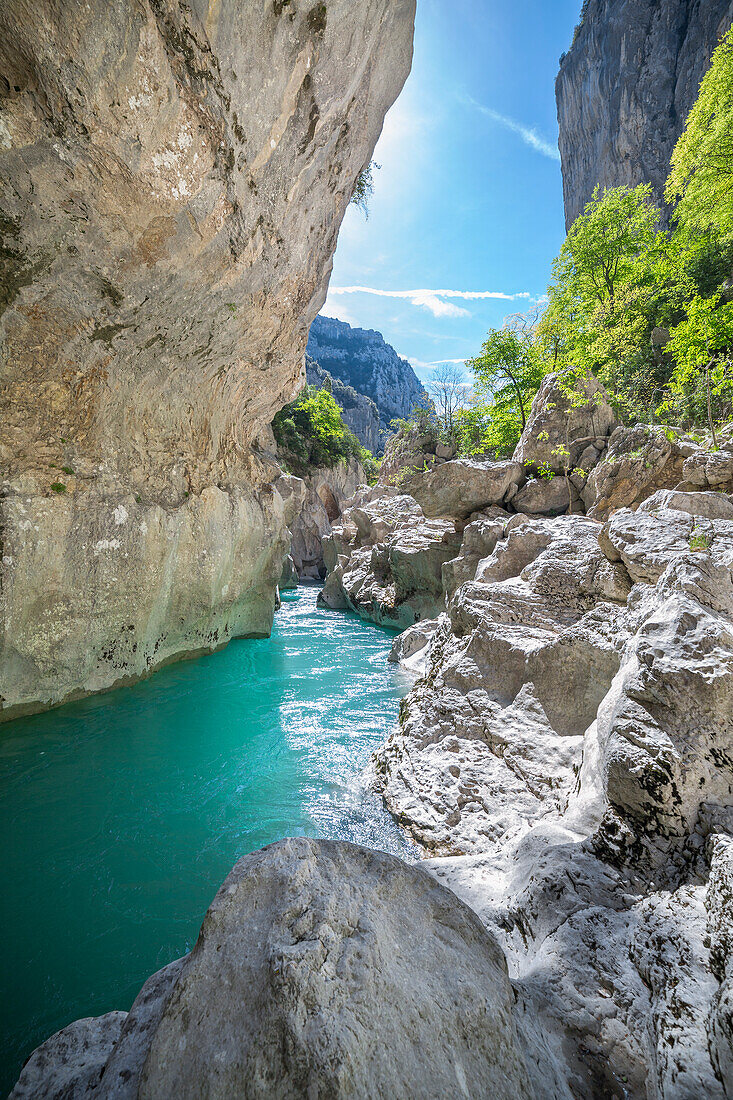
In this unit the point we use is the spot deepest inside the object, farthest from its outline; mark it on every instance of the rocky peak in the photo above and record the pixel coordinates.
(363, 359)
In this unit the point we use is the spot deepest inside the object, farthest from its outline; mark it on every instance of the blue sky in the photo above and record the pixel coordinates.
(469, 196)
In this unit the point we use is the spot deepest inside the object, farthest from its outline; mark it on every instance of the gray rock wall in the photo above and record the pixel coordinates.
(363, 359)
(172, 182)
(625, 88)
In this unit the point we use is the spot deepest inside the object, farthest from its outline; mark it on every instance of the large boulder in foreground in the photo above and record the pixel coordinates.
(323, 970)
(564, 421)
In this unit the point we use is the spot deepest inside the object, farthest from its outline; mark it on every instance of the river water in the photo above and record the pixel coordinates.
(122, 814)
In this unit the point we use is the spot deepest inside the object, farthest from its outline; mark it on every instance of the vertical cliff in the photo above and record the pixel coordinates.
(625, 88)
(172, 180)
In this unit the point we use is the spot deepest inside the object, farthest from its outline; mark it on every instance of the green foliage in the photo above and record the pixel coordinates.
(311, 432)
(364, 188)
(58, 487)
(507, 375)
(610, 288)
(700, 540)
(701, 177)
(701, 386)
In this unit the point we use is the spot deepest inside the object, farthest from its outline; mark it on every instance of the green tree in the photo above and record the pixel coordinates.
(507, 375)
(612, 284)
(702, 382)
(310, 432)
(701, 177)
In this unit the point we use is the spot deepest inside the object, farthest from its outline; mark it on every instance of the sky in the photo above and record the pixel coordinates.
(468, 199)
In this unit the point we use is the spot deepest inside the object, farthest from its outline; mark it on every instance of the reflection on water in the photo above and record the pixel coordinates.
(122, 814)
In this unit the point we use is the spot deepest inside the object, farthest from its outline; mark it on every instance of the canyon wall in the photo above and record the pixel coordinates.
(172, 181)
(360, 413)
(625, 88)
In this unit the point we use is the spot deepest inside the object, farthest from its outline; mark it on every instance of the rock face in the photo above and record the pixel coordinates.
(312, 976)
(361, 358)
(567, 755)
(625, 89)
(360, 413)
(565, 429)
(385, 559)
(173, 180)
(325, 492)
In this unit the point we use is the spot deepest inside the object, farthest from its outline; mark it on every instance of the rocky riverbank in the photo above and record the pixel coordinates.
(567, 751)
(564, 761)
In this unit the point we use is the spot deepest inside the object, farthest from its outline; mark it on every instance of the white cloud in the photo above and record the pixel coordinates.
(432, 300)
(438, 363)
(527, 134)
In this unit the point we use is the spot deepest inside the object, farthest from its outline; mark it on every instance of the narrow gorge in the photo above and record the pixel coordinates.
(434, 797)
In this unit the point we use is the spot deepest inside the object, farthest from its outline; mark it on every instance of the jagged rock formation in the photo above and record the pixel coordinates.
(321, 969)
(361, 358)
(325, 492)
(568, 752)
(565, 754)
(173, 179)
(385, 559)
(625, 89)
(360, 413)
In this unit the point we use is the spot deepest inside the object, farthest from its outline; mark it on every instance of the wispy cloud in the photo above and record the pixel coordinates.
(432, 300)
(526, 133)
(436, 363)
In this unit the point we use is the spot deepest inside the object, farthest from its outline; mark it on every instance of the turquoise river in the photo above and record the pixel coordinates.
(123, 813)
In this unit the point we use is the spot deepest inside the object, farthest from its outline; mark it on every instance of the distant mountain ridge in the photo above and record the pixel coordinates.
(360, 413)
(363, 360)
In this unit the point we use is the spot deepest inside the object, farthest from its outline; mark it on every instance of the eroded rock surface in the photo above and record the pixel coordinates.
(172, 183)
(325, 493)
(567, 756)
(321, 969)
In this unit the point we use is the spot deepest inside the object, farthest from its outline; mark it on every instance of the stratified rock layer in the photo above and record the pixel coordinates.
(625, 89)
(172, 181)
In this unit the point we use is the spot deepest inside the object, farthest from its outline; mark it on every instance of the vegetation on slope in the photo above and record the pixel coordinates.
(648, 310)
(310, 432)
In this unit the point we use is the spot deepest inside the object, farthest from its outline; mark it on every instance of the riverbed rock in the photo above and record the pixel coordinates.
(708, 470)
(638, 462)
(543, 496)
(168, 245)
(480, 537)
(563, 759)
(566, 417)
(70, 1063)
(323, 969)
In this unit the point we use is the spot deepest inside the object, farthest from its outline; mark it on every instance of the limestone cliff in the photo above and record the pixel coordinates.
(360, 413)
(363, 359)
(625, 89)
(173, 177)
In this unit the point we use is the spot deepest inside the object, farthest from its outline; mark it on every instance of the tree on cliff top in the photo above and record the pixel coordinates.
(701, 177)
